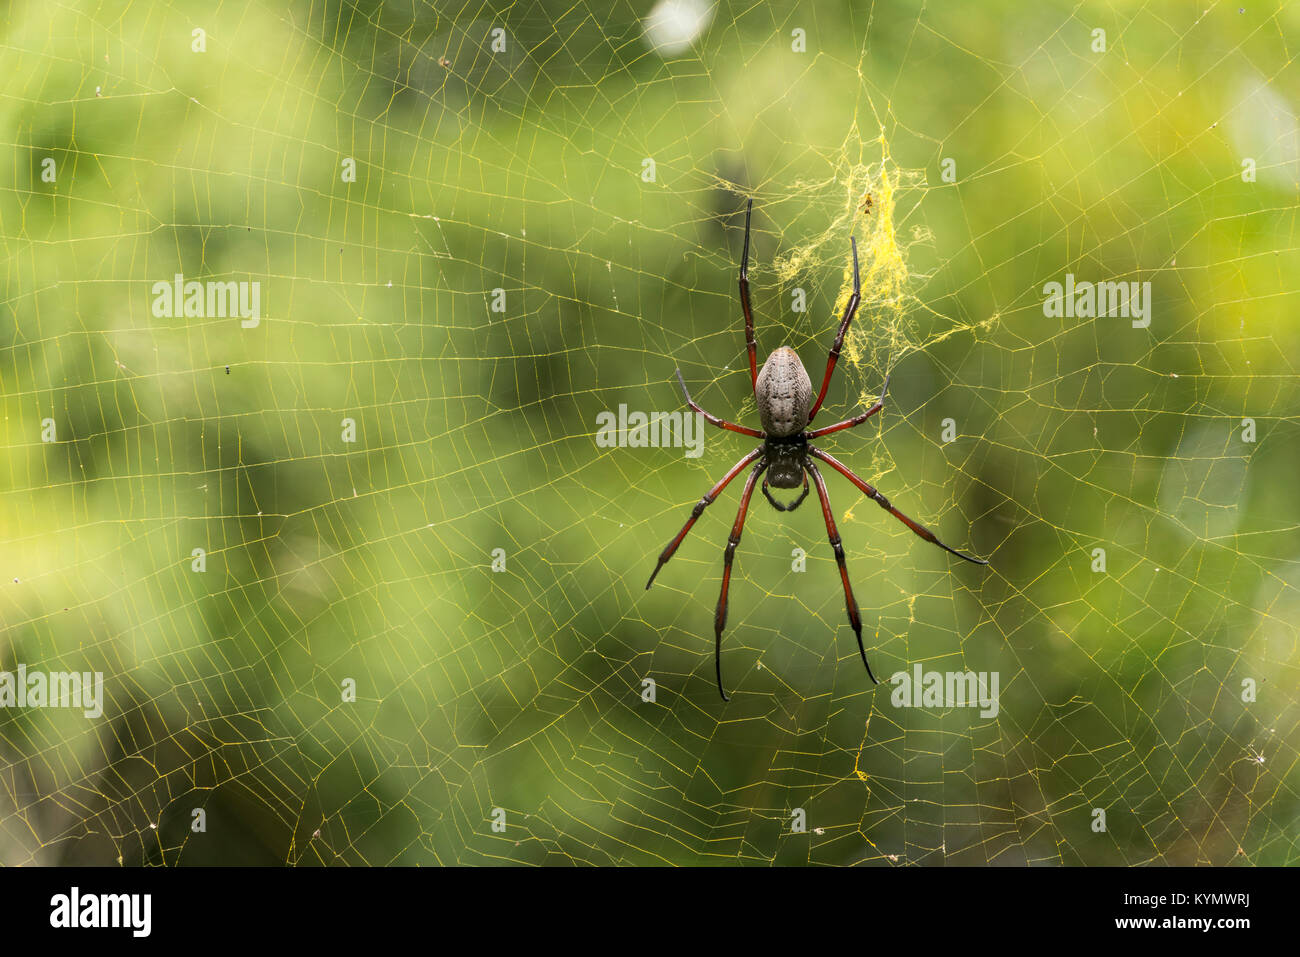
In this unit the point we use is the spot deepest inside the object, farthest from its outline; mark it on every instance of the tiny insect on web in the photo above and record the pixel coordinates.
(786, 408)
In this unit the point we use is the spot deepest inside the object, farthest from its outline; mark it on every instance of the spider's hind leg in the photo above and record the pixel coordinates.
(849, 309)
(751, 346)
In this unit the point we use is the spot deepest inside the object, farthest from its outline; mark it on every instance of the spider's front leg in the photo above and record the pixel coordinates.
(850, 603)
(720, 618)
(705, 501)
(871, 492)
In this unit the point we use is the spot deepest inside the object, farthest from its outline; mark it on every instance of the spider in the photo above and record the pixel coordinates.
(783, 393)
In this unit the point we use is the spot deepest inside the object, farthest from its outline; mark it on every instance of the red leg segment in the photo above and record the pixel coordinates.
(750, 344)
(851, 603)
(849, 309)
(720, 618)
(883, 502)
(713, 419)
(699, 508)
(856, 420)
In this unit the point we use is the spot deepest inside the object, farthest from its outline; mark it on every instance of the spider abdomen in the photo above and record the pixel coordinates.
(784, 394)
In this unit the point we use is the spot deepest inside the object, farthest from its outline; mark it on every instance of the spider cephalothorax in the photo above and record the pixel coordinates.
(783, 393)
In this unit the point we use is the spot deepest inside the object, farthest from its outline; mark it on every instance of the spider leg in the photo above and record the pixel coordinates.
(750, 344)
(883, 502)
(720, 618)
(849, 309)
(856, 420)
(713, 419)
(699, 508)
(851, 603)
(793, 505)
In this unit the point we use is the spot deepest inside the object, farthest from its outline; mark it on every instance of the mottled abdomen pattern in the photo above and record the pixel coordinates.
(784, 394)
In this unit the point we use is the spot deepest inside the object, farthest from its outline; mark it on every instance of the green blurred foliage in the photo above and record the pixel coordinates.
(521, 170)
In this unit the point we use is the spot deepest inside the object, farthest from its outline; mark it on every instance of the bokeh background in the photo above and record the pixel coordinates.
(522, 169)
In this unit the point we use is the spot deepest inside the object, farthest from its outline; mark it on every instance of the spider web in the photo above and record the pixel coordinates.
(516, 177)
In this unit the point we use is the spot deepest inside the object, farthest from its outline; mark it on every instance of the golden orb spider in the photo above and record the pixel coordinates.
(783, 393)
